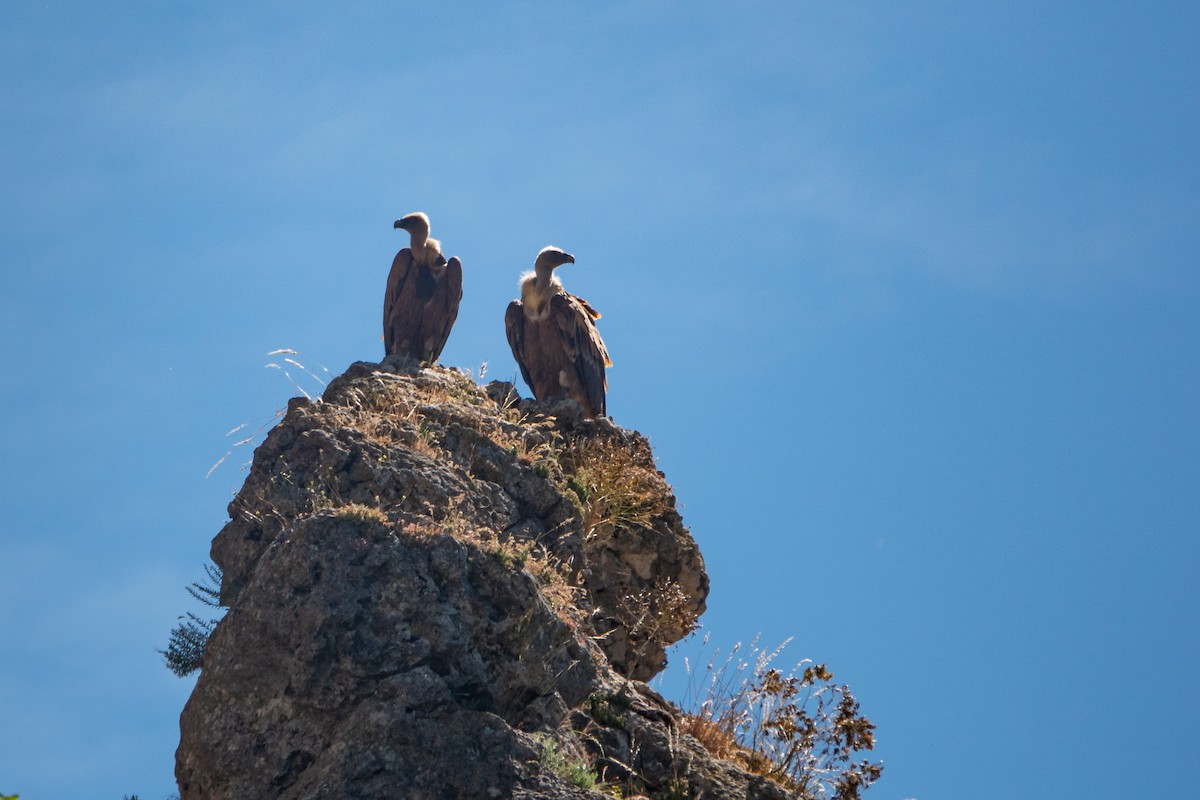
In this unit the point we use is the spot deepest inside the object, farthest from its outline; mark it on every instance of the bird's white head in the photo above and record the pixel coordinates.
(416, 223)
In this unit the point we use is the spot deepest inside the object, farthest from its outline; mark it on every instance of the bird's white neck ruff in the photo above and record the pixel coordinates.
(537, 289)
(426, 251)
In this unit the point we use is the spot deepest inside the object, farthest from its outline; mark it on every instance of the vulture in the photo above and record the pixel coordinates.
(422, 296)
(554, 338)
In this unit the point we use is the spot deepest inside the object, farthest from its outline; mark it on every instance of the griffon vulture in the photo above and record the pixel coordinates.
(423, 292)
(554, 338)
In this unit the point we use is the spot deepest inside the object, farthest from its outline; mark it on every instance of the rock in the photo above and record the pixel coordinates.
(359, 655)
(427, 582)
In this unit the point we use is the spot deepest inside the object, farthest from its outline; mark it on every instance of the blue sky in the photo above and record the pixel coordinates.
(906, 299)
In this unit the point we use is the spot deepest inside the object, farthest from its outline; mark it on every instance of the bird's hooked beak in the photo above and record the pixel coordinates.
(400, 224)
(551, 258)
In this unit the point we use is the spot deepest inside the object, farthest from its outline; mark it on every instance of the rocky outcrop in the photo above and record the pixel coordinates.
(437, 590)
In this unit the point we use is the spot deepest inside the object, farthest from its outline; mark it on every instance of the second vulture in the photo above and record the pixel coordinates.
(554, 338)
(422, 296)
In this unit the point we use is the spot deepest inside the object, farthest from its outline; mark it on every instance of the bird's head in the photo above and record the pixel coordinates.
(416, 223)
(552, 257)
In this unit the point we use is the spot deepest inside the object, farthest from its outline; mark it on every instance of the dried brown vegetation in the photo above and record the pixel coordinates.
(658, 613)
(610, 481)
(800, 729)
(361, 513)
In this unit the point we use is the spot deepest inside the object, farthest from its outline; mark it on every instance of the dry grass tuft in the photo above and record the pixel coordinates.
(613, 486)
(415, 416)
(662, 613)
(799, 729)
(361, 513)
(388, 416)
(549, 572)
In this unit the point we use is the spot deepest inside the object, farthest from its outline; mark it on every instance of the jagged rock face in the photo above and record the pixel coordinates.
(420, 575)
(358, 658)
(430, 448)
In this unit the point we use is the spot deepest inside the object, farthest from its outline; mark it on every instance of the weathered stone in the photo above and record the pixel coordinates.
(422, 574)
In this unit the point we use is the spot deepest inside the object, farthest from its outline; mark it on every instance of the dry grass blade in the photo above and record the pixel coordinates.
(285, 351)
(291, 380)
(306, 370)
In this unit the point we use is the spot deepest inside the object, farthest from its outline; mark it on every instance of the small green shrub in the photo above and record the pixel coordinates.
(514, 556)
(676, 789)
(608, 709)
(572, 770)
(581, 491)
(185, 647)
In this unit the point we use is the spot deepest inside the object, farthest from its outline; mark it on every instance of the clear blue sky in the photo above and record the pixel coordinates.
(905, 296)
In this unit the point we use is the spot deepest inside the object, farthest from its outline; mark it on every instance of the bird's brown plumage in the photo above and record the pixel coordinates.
(423, 291)
(554, 338)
